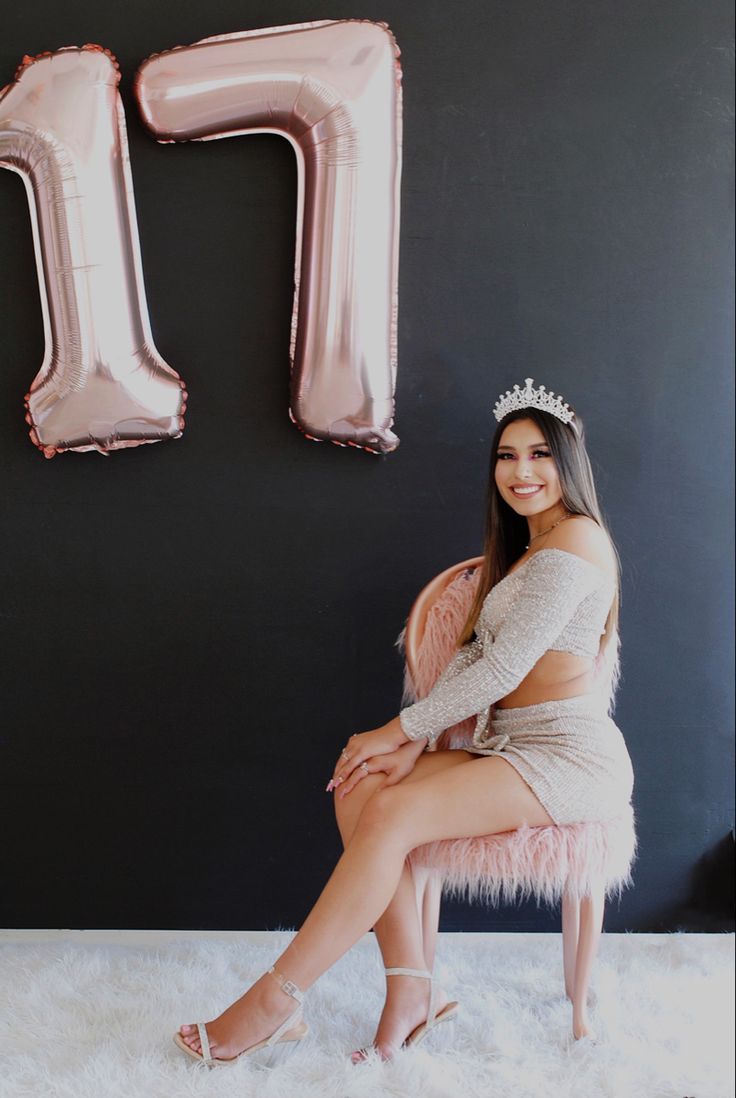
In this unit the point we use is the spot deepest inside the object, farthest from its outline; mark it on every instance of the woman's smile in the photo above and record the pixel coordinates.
(526, 490)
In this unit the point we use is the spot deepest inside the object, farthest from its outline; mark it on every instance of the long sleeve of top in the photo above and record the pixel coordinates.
(551, 585)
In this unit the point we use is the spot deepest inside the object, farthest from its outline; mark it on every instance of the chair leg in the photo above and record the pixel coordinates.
(591, 925)
(570, 927)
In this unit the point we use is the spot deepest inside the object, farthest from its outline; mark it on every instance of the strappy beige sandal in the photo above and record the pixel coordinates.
(420, 1032)
(290, 1031)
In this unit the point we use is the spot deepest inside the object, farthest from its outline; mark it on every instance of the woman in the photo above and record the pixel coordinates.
(545, 749)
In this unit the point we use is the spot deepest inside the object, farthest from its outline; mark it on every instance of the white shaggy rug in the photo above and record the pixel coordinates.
(90, 1015)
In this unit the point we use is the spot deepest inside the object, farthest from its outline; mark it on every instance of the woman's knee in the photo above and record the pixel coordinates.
(386, 811)
(347, 808)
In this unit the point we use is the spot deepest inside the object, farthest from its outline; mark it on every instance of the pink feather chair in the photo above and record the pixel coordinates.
(577, 865)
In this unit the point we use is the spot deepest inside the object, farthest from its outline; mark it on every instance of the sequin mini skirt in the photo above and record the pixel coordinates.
(569, 751)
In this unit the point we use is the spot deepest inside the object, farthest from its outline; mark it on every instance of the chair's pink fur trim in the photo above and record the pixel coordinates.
(445, 619)
(545, 862)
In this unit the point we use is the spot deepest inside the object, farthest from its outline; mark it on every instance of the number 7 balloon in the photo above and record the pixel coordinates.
(333, 89)
(102, 384)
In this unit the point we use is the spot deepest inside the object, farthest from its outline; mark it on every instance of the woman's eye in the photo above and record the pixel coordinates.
(541, 453)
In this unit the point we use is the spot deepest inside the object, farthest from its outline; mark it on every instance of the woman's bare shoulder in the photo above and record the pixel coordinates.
(582, 535)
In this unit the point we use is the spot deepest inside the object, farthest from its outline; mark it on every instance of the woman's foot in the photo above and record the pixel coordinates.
(250, 1019)
(406, 1007)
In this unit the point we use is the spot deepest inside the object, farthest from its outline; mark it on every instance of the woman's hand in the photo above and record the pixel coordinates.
(364, 746)
(396, 765)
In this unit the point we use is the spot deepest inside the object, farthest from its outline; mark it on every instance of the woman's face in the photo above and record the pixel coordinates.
(524, 462)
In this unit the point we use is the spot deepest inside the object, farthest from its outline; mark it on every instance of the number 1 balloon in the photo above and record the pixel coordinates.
(102, 385)
(333, 89)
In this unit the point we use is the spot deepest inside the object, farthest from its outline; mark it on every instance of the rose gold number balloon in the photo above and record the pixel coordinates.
(102, 384)
(333, 88)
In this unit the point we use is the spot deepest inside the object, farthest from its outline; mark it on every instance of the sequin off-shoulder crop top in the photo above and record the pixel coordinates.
(555, 600)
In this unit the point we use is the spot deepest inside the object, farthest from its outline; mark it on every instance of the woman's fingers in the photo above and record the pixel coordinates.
(351, 756)
(346, 763)
(357, 776)
(360, 748)
(344, 772)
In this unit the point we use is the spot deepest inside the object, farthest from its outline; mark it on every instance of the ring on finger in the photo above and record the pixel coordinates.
(364, 768)
(345, 754)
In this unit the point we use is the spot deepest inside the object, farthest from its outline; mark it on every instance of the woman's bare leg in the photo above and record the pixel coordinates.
(480, 797)
(431, 900)
(407, 931)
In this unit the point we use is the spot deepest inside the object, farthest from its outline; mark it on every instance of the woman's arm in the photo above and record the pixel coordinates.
(555, 583)
(462, 658)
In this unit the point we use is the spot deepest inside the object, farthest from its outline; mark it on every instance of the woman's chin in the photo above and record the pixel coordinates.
(527, 506)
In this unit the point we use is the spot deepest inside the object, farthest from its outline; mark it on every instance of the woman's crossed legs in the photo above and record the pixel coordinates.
(449, 794)
(407, 930)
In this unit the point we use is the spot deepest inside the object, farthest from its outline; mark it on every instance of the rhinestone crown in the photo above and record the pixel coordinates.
(532, 398)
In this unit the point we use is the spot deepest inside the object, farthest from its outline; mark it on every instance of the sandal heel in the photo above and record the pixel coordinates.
(433, 1019)
(278, 1053)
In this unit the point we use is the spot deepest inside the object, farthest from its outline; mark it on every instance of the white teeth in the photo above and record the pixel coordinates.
(526, 491)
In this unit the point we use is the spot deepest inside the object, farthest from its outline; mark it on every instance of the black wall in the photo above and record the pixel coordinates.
(191, 630)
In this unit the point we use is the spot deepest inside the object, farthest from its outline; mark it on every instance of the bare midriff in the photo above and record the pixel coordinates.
(556, 675)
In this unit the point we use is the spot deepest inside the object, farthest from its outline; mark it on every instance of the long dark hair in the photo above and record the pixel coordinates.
(507, 532)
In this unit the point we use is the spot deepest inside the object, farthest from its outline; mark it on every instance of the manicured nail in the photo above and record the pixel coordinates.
(328, 788)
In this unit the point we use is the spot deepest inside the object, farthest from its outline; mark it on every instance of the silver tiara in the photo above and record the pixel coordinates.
(532, 398)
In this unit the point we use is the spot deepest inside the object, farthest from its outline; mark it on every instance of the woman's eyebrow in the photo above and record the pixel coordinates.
(531, 446)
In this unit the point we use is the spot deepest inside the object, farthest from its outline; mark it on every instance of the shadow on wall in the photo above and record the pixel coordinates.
(710, 907)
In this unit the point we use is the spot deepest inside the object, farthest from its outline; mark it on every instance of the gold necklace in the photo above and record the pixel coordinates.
(565, 516)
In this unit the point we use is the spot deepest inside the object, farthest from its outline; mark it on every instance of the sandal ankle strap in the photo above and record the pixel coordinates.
(288, 985)
(431, 1012)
